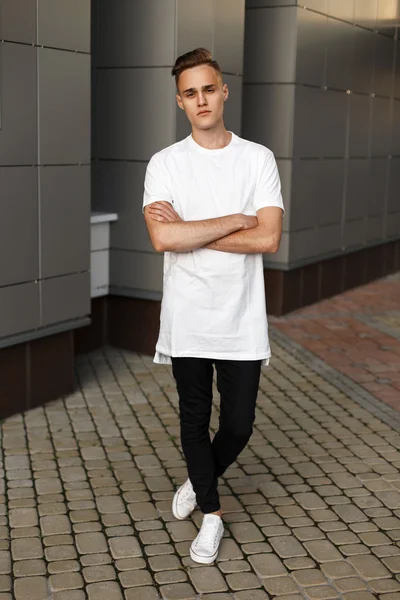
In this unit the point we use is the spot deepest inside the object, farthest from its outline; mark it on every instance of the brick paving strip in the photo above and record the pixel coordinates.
(312, 506)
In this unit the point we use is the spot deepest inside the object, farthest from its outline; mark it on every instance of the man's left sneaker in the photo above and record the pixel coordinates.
(184, 501)
(204, 548)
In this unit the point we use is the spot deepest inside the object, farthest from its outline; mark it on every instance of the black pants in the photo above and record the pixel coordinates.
(237, 383)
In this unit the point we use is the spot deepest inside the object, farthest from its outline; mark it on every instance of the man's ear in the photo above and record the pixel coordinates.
(179, 101)
(225, 91)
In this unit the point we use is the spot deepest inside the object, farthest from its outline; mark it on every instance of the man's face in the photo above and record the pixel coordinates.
(202, 95)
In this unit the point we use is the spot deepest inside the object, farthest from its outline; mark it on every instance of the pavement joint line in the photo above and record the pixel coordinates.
(366, 400)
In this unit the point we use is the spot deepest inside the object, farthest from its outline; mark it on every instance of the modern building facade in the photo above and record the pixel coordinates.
(87, 98)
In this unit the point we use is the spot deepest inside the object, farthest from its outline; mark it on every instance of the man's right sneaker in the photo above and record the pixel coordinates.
(184, 501)
(205, 547)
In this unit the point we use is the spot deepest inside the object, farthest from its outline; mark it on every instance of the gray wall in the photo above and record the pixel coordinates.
(135, 45)
(322, 90)
(44, 166)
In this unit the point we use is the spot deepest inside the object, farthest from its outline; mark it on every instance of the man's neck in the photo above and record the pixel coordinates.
(212, 139)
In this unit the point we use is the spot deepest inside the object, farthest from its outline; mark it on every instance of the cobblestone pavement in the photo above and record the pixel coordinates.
(357, 333)
(312, 506)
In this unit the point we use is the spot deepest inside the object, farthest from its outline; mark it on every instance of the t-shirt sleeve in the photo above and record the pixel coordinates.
(268, 190)
(156, 184)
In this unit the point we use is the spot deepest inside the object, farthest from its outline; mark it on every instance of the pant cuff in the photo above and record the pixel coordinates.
(210, 508)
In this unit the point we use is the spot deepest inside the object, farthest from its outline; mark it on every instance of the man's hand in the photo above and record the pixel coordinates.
(163, 211)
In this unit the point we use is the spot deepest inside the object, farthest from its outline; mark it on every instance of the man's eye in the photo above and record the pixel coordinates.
(189, 95)
(210, 91)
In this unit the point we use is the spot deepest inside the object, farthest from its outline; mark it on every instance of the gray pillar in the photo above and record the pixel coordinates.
(322, 90)
(44, 167)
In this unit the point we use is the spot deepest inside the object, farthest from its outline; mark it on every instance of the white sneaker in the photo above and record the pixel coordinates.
(205, 547)
(184, 501)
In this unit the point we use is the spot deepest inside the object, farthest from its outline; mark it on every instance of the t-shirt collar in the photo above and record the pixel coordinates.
(213, 151)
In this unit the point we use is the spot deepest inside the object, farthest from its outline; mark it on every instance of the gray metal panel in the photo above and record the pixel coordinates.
(357, 189)
(19, 308)
(395, 137)
(360, 125)
(384, 65)
(381, 132)
(304, 197)
(19, 247)
(270, 45)
(268, 117)
(229, 35)
(64, 24)
(320, 123)
(355, 233)
(269, 3)
(340, 55)
(195, 25)
(130, 123)
(303, 244)
(319, 5)
(311, 47)
(393, 226)
(341, 9)
(364, 56)
(14, 28)
(18, 133)
(308, 117)
(66, 297)
(285, 168)
(65, 219)
(330, 189)
(64, 107)
(183, 127)
(388, 17)
(365, 13)
(120, 188)
(233, 106)
(397, 74)
(329, 238)
(136, 34)
(394, 186)
(377, 184)
(375, 229)
(136, 270)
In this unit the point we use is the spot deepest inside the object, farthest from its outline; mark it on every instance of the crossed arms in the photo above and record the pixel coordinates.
(235, 233)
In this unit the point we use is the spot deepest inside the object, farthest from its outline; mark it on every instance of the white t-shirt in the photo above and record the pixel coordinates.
(213, 303)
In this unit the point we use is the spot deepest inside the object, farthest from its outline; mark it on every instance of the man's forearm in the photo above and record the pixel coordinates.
(252, 241)
(184, 236)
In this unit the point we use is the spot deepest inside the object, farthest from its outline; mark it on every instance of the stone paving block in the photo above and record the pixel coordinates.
(125, 547)
(280, 585)
(392, 563)
(322, 592)
(5, 562)
(106, 590)
(160, 549)
(255, 548)
(23, 517)
(169, 577)
(142, 593)
(91, 543)
(310, 501)
(243, 581)
(177, 591)
(383, 586)
(63, 566)
(258, 595)
(5, 583)
(229, 550)
(359, 596)
(155, 537)
(92, 560)
(110, 505)
(31, 588)
(98, 573)
(135, 578)
(322, 550)
(267, 565)
(60, 553)
(308, 577)
(65, 581)
(26, 548)
(70, 595)
(246, 532)
(207, 579)
(350, 584)
(29, 568)
(369, 567)
(287, 546)
(164, 563)
(130, 564)
(55, 525)
(182, 531)
(142, 511)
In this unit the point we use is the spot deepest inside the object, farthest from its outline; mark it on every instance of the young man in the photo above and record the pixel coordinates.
(213, 205)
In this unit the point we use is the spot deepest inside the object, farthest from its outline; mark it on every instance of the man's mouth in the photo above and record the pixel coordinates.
(204, 112)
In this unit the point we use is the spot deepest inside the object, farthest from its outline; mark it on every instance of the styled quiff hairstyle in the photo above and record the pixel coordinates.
(194, 58)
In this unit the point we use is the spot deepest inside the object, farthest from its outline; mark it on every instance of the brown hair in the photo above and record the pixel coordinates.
(194, 58)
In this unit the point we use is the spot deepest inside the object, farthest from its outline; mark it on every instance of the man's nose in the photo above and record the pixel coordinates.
(201, 99)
